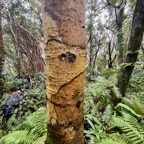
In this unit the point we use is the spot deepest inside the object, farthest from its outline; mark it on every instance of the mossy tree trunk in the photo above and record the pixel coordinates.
(134, 44)
(65, 47)
(120, 39)
(1, 54)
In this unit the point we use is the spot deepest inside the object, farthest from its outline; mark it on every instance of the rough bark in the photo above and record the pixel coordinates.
(1, 54)
(133, 46)
(65, 47)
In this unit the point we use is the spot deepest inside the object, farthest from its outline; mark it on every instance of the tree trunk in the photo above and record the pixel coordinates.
(65, 47)
(120, 40)
(1, 54)
(133, 46)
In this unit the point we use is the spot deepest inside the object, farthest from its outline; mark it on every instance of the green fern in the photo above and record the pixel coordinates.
(107, 114)
(17, 137)
(122, 124)
(116, 138)
(110, 141)
(121, 138)
(99, 95)
(96, 132)
(129, 109)
(40, 140)
(35, 127)
(135, 104)
(130, 127)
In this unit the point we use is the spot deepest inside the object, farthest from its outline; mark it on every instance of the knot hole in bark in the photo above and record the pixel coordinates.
(78, 104)
(68, 56)
(71, 57)
(62, 56)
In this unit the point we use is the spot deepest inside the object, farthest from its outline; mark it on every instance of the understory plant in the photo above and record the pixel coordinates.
(109, 123)
(33, 102)
(31, 131)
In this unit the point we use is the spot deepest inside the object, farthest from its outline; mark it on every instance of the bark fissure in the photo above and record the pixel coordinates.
(65, 105)
(63, 85)
(59, 41)
(68, 57)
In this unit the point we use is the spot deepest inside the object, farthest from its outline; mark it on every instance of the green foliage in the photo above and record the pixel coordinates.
(95, 129)
(135, 105)
(33, 129)
(109, 71)
(40, 140)
(122, 125)
(36, 122)
(29, 120)
(110, 141)
(99, 108)
(127, 123)
(130, 127)
(98, 95)
(106, 123)
(17, 137)
(132, 2)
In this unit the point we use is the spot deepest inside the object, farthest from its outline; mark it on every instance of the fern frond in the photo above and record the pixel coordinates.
(107, 115)
(129, 109)
(127, 101)
(121, 138)
(40, 140)
(35, 127)
(36, 123)
(132, 121)
(129, 130)
(17, 137)
(116, 92)
(110, 141)
(136, 105)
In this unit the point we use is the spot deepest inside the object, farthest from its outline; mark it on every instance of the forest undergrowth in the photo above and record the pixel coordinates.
(107, 120)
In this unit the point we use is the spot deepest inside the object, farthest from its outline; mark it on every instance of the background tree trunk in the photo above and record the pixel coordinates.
(65, 47)
(1, 54)
(120, 39)
(133, 46)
